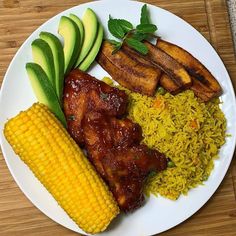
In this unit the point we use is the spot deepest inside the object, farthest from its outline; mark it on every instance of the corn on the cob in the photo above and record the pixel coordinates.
(56, 160)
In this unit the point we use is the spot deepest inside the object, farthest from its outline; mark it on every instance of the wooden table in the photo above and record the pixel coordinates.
(18, 19)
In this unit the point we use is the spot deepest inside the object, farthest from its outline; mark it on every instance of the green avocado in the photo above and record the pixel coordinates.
(90, 31)
(58, 58)
(80, 25)
(42, 55)
(70, 33)
(44, 90)
(94, 50)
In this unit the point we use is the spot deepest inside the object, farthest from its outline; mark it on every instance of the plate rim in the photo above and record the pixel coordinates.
(230, 88)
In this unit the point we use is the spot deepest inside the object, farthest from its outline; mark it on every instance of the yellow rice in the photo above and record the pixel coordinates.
(188, 131)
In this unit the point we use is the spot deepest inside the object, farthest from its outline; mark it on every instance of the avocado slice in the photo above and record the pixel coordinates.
(58, 58)
(90, 31)
(44, 90)
(94, 51)
(80, 25)
(42, 55)
(70, 33)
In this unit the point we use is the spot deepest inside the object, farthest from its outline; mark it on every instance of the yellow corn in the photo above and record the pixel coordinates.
(56, 160)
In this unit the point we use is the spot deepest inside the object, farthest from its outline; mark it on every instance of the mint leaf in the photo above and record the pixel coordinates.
(137, 45)
(116, 48)
(133, 37)
(114, 42)
(119, 27)
(144, 15)
(115, 28)
(146, 28)
(126, 25)
(139, 36)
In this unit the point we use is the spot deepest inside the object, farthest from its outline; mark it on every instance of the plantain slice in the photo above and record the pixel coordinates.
(194, 67)
(169, 65)
(168, 84)
(165, 81)
(138, 57)
(128, 72)
(201, 90)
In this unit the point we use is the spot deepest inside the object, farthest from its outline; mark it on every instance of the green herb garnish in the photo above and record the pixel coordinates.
(137, 45)
(124, 31)
(103, 96)
(71, 117)
(152, 174)
(144, 19)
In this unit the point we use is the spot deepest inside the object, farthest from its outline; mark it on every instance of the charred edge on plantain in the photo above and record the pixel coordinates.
(199, 77)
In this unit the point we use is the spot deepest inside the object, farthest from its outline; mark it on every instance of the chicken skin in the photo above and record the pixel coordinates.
(122, 162)
(111, 141)
(83, 93)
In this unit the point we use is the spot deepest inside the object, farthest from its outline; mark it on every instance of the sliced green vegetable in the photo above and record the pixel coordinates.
(42, 55)
(70, 33)
(90, 31)
(44, 90)
(80, 25)
(94, 51)
(58, 58)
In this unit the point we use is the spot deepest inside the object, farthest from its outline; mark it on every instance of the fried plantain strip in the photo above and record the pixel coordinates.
(194, 67)
(201, 90)
(138, 57)
(168, 65)
(128, 72)
(167, 83)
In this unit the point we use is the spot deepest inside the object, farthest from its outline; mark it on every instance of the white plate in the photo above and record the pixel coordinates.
(158, 214)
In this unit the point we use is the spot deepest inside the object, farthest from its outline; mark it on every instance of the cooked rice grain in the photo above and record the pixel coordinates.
(188, 131)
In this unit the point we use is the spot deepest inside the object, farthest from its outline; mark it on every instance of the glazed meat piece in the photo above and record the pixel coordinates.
(113, 147)
(92, 109)
(124, 132)
(83, 93)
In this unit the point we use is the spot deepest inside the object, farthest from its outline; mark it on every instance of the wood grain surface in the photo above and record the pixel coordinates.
(18, 19)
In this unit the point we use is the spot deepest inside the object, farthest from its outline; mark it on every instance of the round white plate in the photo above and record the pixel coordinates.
(158, 214)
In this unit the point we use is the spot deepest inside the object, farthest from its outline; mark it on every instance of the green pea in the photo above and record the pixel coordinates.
(170, 164)
(161, 91)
